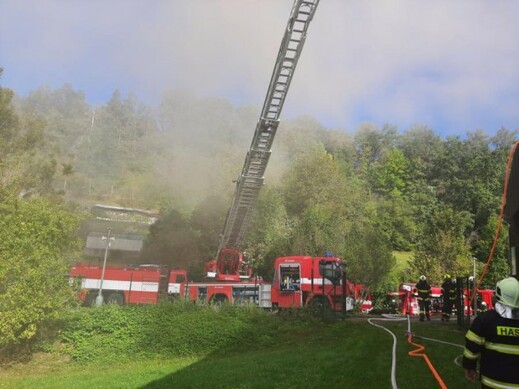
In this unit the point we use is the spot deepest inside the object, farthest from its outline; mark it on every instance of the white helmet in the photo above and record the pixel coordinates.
(423, 278)
(507, 292)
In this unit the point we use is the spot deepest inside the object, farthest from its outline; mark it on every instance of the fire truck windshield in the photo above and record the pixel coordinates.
(331, 270)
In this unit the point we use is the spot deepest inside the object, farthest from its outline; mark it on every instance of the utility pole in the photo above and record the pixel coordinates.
(109, 239)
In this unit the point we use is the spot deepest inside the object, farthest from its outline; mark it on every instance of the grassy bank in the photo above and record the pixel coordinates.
(200, 347)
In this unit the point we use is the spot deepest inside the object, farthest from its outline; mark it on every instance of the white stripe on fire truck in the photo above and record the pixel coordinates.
(319, 281)
(92, 283)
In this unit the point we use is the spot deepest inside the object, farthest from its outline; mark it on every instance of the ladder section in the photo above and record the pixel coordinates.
(251, 178)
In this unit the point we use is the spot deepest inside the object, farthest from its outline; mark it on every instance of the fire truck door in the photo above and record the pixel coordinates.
(290, 286)
(149, 290)
(176, 285)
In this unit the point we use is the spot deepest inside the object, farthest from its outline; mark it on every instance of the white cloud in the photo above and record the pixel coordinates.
(441, 63)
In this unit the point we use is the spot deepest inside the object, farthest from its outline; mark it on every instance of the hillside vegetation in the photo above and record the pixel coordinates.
(191, 346)
(362, 194)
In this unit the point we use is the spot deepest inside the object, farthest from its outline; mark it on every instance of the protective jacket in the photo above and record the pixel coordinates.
(424, 290)
(449, 296)
(495, 341)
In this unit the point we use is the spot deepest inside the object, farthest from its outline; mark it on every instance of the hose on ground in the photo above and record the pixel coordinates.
(393, 352)
(418, 352)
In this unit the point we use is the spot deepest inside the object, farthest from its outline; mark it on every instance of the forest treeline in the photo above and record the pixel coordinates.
(362, 195)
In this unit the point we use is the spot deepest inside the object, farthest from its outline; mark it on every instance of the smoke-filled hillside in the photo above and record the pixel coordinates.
(361, 195)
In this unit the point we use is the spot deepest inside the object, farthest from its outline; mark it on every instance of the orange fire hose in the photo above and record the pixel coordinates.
(418, 352)
(500, 220)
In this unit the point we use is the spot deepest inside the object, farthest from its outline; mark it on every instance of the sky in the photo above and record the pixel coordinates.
(450, 65)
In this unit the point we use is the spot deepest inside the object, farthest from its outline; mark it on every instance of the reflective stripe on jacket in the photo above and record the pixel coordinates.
(424, 290)
(495, 341)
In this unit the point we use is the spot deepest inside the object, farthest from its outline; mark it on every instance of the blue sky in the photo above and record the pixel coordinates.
(450, 65)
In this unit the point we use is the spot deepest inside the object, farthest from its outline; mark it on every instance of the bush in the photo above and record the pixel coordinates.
(169, 329)
(35, 237)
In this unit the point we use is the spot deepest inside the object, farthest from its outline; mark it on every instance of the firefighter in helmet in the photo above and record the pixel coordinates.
(424, 297)
(493, 339)
(448, 297)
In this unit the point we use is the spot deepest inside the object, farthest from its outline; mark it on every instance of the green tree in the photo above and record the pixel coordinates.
(372, 142)
(442, 246)
(270, 233)
(421, 146)
(329, 209)
(483, 243)
(391, 173)
(390, 178)
(27, 166)
(368, 255)
(8, 120)
(37, 238)
(321, 201)
(468, 175)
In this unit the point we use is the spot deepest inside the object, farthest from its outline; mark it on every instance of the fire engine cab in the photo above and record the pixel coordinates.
(303, 280)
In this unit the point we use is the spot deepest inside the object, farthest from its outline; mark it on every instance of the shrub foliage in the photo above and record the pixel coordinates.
(34, 237)
(169, 329)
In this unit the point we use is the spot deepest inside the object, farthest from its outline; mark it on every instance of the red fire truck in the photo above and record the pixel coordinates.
(406, 301)
(120, 285)
(484, 301)
(299, 281)
(314, 281)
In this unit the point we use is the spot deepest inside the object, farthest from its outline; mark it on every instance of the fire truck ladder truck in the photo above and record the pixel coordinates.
(229, 263)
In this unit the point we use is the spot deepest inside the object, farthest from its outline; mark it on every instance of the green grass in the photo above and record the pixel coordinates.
(402, 260)
(273, 351)
(75, 376)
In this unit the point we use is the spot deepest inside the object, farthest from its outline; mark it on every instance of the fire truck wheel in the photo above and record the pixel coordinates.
(115, 298)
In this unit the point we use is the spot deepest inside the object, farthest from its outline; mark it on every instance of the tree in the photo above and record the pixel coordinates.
(372, 142)
(8, 119)
(270, 233)
(504, 139)
(391, 173)
(329, 210)
(27, 166)
(390, 178)
(483, 243)
(442, 245)
(420, 145)
(37, 237)
(321, 202)
(368, 255)
(468, 175)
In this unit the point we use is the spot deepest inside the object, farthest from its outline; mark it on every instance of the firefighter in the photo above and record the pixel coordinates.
(424, 297)
(210, 266)
(493, 339)
(448, 296)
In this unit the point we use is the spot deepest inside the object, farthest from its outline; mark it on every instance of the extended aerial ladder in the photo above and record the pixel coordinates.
(230, 265)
